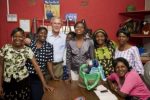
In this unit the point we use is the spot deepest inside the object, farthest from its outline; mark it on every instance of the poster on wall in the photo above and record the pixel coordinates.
(51, 9)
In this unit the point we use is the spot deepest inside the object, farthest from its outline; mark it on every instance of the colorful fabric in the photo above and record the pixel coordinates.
(105, 57)
(14, 62)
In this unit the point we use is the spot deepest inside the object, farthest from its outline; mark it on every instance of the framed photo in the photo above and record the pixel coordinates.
(51, 8)
(25, 24)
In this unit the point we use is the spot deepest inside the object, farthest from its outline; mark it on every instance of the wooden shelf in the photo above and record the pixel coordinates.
(140, 35)
(145, 59)
(136, 14)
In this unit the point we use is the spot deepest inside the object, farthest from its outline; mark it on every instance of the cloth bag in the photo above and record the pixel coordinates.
(88, 80)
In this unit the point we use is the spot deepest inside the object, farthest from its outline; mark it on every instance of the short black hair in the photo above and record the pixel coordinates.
(18, 29)
(42, 28)
(124, 31)
(72, 34)
(80, 22)
(123, 60)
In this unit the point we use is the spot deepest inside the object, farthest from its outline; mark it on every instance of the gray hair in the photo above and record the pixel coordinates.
(55, 17)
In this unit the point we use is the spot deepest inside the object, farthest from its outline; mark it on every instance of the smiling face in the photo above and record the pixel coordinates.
(122, 39)
(100, 38)
(42, 35)
(121, 69)
(56, 25)
(18, 39)
(80, 29)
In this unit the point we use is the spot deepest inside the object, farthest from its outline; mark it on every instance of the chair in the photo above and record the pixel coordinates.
(146, 76)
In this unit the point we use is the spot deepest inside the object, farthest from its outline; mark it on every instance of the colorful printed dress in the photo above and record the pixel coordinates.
(105, 56)
(16, 83)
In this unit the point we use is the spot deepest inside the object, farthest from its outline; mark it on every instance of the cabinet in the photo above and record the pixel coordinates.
(138, 37)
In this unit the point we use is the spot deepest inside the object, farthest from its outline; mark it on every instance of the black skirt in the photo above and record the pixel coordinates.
(17, 90)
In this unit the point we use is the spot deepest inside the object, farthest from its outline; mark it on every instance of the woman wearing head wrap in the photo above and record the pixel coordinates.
(104, 50)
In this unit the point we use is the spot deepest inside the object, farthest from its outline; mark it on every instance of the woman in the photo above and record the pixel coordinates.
(69, 36)
(79, 50)
(43, 52)
(128, 51)
(104, 50)
(14, 76)
(129, 83)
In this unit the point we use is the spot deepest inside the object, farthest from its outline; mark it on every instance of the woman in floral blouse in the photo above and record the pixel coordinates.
(104, 50)
(14, 82)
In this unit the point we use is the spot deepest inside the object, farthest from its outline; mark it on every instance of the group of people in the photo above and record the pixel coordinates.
(24, 70)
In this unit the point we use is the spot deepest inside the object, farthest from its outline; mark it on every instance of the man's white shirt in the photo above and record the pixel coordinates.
(59, 45)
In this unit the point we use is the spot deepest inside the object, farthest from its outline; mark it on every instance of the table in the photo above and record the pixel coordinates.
(68, 91)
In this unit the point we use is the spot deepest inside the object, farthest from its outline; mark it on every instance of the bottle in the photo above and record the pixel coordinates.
(102, 73)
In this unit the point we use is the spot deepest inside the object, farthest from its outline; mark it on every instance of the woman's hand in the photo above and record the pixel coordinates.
(27, 41)
(48, 88)
(114, 87)
(56, 79)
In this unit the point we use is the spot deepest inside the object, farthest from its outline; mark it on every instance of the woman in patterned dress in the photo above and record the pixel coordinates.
(14, 76)
(104, 50)
(43, 52)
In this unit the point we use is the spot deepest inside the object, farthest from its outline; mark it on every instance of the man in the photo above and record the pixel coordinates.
(58, 40)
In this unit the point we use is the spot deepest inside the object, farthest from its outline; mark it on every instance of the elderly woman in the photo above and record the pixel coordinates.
(14, 76)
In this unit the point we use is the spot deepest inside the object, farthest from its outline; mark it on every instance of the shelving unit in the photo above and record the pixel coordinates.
(136, 14)
(138, 36)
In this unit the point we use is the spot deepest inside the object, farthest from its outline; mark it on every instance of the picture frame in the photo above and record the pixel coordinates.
(25, 24)
(51, 9)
